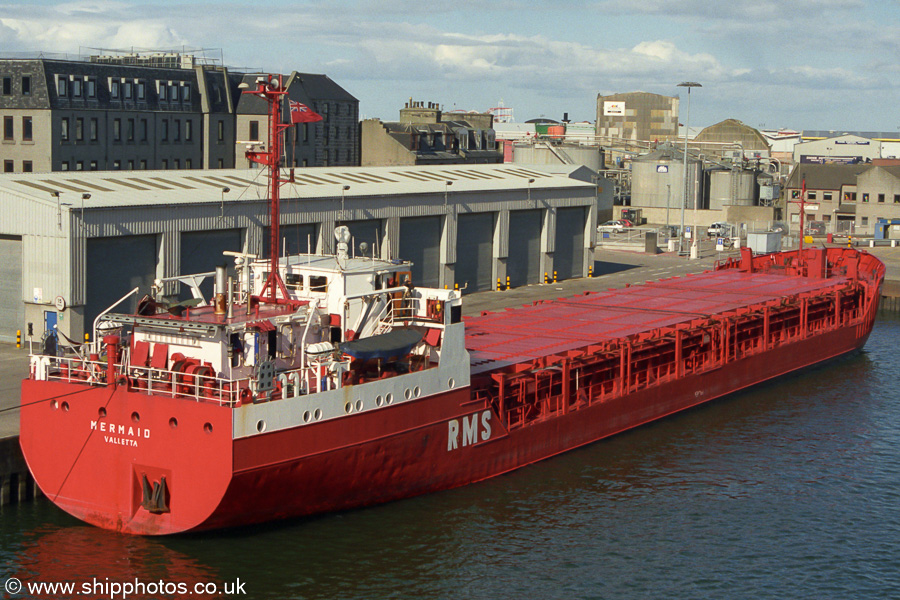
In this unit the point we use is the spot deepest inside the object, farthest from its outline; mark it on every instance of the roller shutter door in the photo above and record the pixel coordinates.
(420, 242)
(474, 251)
(295, 239)
(12, 309)
(369, 233)
(201, 252)
(569, 255)
(524, 263)
(115, 265)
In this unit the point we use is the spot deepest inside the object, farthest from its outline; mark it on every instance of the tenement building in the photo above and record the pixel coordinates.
(111, 113)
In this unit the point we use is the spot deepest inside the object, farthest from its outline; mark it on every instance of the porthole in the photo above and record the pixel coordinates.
(54, 405)
(358, 405)
(173, 423)
(451, 383)
(379, 401)
(417, 391)
(207, 427)
(389, 398)
(260, 426)
(306, 417)
(318, 414)
(101, 412)
(348, 407)
(135, 417)
(65, 406)
(408, 393)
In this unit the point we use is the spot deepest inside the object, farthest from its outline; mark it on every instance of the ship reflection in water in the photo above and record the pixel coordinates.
(96, 563)
(785, 491)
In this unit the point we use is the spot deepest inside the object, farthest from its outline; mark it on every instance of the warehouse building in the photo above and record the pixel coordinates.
(73, 244)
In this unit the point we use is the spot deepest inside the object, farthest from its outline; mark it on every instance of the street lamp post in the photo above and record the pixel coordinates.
(687, 124)
(343, 189)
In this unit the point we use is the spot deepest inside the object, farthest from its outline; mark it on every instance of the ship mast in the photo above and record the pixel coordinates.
(272, 92)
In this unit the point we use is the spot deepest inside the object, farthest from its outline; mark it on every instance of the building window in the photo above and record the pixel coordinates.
(79, 166)
(188, 130)
(165, 163)
(64, 129)
(186, 93)
(94, 133)
(114, 88)
(62, 87)
(27, 166)
(162, 90)
(254, 131)
(129, 130)
(79, 129)
(165, 130)
(93, 165)
(826, 196)
(64, 166)
(173, 92)
(8, 128)
(221, 131)
(177, 164)
(220, 164)
(881, 198)
(8, 166)
(176, 131)
(27, 129)
(306, 132)
(849, 196)
(143, 130)
(117, 130)
(188, 164)
(131, 165)
(811, 196)
(144, 164)
(117, 164)
(864, 221)
(896, 198)
(129, 88)
(76, 88)
(141, 90)
(91, 85)
(26, 85)
(865, 197)
(7, 86)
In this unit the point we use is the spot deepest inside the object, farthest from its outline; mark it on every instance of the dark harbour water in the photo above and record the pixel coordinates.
(791, 490)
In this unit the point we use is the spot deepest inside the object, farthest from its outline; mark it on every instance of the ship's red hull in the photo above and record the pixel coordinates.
(100, 452)
(214, 481)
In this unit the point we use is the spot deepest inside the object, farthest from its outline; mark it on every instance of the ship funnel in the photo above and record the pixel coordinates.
(219, 301)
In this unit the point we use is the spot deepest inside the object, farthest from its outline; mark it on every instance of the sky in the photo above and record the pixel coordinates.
(816, 64)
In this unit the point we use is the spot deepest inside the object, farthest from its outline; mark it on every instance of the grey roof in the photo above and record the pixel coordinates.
(826, 177)
(302, 87)
(822, 134)
(110, 189)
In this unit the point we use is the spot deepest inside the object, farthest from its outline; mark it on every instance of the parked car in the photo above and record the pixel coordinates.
(614, 226)
(815, 228)
(719, 229)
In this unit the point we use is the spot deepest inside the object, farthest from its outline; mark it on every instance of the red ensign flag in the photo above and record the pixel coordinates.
(301, 113)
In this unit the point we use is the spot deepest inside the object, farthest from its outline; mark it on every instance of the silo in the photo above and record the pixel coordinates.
(656, 179)
(729, 187)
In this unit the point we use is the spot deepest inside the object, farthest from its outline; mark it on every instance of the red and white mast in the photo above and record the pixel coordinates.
(272, 92)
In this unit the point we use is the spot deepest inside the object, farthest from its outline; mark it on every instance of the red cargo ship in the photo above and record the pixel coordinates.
(321, 383)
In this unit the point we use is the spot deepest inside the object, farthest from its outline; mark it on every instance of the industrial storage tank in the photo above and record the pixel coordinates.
(556, 131)
(657, 180)
(731, 187)
(547, 153)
